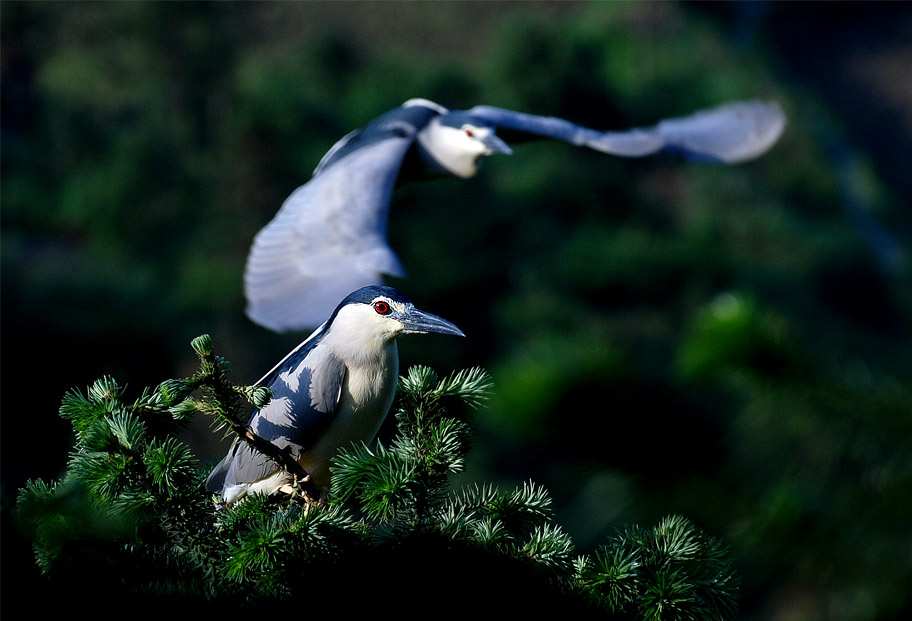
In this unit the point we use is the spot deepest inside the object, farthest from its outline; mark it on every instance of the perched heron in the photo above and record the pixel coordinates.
(329, 237)
(334, 388)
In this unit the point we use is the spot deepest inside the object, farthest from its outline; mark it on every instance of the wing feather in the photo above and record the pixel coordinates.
(306, 394)
(730, 133)
(329, 237)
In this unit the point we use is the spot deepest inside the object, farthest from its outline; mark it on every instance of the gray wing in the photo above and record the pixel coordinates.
(306, 394)
(731, 133)
(328, 239)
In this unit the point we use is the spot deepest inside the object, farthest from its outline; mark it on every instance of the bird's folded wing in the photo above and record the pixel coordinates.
(306, 394)
(731, 133)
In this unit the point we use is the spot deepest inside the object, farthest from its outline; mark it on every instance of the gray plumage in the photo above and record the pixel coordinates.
(335, 388)
(329, 237)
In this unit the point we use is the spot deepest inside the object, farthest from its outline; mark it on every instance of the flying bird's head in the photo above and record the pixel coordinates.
(456, 142)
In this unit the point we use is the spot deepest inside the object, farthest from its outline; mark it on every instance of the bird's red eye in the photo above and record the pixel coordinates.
(470, 133)
(382, 308)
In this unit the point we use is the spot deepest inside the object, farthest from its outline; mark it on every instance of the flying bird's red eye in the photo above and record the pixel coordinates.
(382, 308)
(470, 133)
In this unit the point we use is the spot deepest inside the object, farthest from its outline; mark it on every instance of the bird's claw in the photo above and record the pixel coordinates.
(300, 488)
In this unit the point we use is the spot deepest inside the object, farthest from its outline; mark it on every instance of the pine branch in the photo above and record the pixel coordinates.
(222, 405)
(403, 487)
(131, 513)
(673, 570)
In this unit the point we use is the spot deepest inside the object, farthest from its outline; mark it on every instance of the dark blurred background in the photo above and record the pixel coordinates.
(727, 343)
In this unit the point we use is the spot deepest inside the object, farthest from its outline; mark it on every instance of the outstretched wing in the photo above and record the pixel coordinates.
(731, 133)
(329, 237)
(306, 393)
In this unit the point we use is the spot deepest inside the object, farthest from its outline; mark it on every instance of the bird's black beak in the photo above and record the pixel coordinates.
(495, 145)
(420, 322)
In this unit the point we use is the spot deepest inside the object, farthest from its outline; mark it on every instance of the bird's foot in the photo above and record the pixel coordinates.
(306, 489)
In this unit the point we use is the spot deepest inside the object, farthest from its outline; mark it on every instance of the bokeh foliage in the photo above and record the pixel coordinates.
(723, 343)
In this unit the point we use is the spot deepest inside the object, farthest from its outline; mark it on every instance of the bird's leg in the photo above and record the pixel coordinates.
(305, 488)
(312, 494)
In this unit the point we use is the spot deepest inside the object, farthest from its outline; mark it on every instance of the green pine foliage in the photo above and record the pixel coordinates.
(131, 516)
(670, 571)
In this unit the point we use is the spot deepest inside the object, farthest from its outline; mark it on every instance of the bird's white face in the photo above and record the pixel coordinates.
(364, 330)
(457, 149)
(373, 324)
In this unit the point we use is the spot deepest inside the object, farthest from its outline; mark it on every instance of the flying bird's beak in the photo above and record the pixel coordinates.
(495, 145)
(420, 322)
